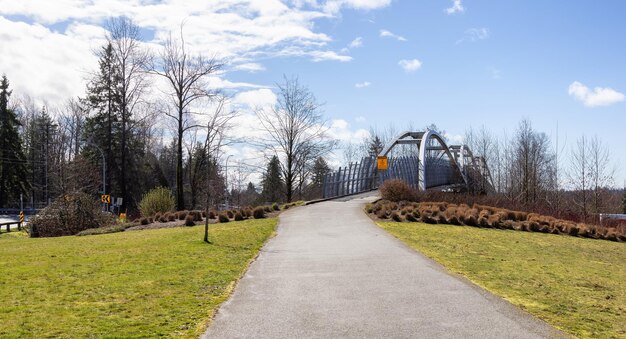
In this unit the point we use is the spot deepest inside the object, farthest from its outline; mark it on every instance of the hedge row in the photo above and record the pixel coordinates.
(487, 217)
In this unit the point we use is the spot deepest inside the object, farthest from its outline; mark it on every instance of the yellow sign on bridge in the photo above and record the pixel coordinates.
(382, 163)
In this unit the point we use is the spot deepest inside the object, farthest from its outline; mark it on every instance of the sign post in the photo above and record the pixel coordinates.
(19, 226)
(383, 163)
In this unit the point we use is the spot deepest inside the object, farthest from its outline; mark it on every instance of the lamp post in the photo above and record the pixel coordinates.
(226, 179)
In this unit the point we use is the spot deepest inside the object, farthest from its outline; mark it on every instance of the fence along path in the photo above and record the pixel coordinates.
(364, 176)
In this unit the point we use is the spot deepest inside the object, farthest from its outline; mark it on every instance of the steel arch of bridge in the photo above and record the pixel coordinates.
(464, 165)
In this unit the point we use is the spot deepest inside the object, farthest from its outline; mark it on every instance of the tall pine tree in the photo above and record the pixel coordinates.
(102, 128)
(273, 184)
(13, 168)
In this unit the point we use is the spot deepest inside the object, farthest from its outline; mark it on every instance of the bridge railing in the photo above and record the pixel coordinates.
(364, 176)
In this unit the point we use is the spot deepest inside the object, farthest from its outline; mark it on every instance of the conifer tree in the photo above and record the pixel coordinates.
(272, 182)
(13, 169)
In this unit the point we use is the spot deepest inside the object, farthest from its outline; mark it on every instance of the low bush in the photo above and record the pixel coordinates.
(275, 207)
(397, 190)
(238, 216)
(197, 215)
(157, 216)
(230, 214)
(212, 214)
(259, 213)
(156, 200)
(487, 217)
(69, 215)
(395, 216)
(182, 215)
(223, 217)
(171, 217)
(144, 221)
(267, 208)
(189, 220)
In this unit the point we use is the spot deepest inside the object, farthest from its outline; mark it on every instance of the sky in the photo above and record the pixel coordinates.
(453, 63)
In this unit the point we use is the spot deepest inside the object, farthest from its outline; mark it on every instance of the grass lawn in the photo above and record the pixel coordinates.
(149, 283)
(577, 285)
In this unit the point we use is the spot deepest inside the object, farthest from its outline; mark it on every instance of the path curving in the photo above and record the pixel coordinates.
(331, 272)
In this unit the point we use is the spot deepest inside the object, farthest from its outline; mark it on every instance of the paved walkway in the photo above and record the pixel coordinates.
(330, 272)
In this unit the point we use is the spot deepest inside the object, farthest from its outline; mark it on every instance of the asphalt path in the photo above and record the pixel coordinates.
(331, 272)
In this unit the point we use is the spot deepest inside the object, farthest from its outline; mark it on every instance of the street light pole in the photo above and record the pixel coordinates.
(226, 179)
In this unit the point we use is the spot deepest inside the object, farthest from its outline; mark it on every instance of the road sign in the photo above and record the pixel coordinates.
(119, 201)
(106, 198)
(382, 163)
(21, 216)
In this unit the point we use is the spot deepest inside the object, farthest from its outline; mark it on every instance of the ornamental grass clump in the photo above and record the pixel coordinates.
(397, 190)
(158, 200)
(223, 217)
(259, 213)
(189, 221)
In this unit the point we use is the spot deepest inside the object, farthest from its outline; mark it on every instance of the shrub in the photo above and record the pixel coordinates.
(238, 216)
(182, 215)
(397, 190)
(171, 217)
(223, 217)
(69, 215)
(163, 218)
(267, 208)
(259, 213)
(156, 200)
(395, 216)
(230, 214)
(275, 207)
(197, 215)
(247, 212)
(410, 217)
(157, 216)
(189, 221)
(144, 221)
(212, 214)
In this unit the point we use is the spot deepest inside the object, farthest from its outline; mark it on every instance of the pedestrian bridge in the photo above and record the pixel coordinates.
(427, 163)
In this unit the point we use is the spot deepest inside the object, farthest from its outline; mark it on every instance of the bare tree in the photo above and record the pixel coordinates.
(600, 173)
(187, 76)
(579, 174)
(130, 59)
(297, 130)
(217, 128)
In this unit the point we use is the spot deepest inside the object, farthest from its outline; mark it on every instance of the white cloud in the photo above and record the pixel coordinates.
(474, 34)
(52, 62)
(599, 96)
(251, 67)
(333, 6)
(387, 34)
(356, 43)
(410, 65)
(263, 97)
(340, 130)
(362, 84)
(457, 7)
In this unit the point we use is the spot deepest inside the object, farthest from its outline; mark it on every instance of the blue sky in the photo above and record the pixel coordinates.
(492, 63)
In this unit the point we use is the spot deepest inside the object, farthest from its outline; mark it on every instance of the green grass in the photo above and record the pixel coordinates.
(149, 283)
(577, 285)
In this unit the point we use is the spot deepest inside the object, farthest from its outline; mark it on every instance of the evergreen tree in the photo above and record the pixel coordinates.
(102, 128)
(40, 136)
(272, 182)
(320, 169)
(13, 169)
(375, 146)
